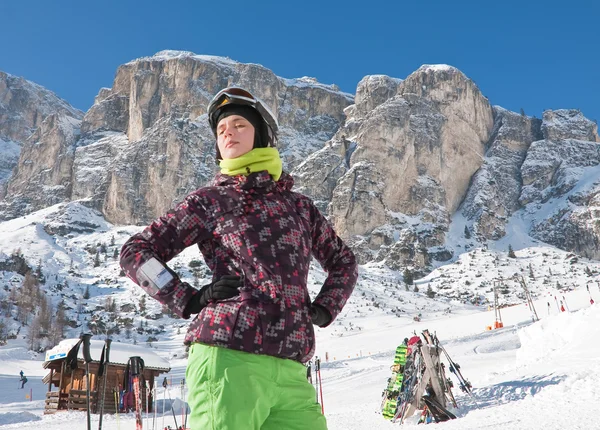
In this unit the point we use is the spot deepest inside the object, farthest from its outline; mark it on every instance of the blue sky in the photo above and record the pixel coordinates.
(534, 55)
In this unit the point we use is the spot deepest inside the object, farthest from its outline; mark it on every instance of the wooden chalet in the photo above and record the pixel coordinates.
(67, 388)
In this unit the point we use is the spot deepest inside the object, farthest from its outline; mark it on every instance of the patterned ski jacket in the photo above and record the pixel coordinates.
(259, 229)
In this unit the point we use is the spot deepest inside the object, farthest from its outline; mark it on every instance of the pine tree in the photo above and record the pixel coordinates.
(39, 274)
(531, 272)
(86, 295)
(80, 306)
(467, 233)
(142, 304)
(110, 305)
(115, 254)
(27, 298)
(33, 335)
(511, 252)
(97, 260)
(57, 332)
(3, 332)
(430, 292)
(408, 276)
(112, 240)
(45, 316)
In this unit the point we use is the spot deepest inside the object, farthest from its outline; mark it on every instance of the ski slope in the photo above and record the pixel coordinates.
(541, 375)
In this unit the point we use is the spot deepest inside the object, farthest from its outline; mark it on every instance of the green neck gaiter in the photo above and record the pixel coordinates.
(256, 160)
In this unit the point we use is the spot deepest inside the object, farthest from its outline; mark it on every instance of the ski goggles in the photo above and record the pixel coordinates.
(235, 95)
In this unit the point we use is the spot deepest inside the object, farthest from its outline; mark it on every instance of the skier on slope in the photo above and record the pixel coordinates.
(254, 328)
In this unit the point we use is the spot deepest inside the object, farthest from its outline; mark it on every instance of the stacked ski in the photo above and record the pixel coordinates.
(419, 382)
(392, 392)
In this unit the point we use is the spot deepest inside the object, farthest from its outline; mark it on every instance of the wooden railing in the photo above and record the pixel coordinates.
(54, 402)
(78, 400)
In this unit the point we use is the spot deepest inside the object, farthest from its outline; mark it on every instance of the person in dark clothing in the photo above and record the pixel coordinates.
(254, 322)
(23, 379)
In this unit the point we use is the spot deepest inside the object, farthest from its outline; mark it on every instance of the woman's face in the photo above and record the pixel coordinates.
(235, 136)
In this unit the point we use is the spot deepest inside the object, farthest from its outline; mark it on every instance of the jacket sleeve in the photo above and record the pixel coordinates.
(166, 237)
(337, 259)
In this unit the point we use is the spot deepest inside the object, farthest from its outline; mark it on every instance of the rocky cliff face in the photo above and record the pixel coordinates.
(24, 105)
(561, 180)
(494, 192)
(144, 143)
(25, 108)
(413, 147)
(392, 167)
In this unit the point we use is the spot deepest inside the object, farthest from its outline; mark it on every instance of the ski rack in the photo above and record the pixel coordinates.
(419, 382)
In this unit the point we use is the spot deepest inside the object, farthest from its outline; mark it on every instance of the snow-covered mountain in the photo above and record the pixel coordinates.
(394, 167)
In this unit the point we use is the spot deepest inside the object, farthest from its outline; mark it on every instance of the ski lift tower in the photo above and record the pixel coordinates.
(534, 314)
(498, 322)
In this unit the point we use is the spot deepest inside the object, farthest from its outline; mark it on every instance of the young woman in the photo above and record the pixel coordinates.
(254, 325)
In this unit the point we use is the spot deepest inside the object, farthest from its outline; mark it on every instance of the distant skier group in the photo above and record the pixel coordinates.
(23, 379)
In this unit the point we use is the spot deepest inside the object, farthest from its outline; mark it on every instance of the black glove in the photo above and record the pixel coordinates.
(225, 288)
(319, 315)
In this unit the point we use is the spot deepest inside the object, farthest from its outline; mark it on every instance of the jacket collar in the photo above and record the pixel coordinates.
(259, 180)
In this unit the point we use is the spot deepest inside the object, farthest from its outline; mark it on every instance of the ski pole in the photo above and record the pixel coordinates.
(147, 388)
(116, 405)
(182, 397)
(137, 366)
(164, 384)
(316, 382)
(568, 310)
(87, 358)
(154, 405)
(185, 405)
(105, 370)
(320, 384)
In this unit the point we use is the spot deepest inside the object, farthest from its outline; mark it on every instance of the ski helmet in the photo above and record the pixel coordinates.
(239, 96)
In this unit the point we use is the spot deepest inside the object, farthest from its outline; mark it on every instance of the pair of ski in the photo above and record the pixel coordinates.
(464, 383)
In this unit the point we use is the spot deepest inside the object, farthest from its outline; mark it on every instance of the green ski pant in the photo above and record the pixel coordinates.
(235, 390)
